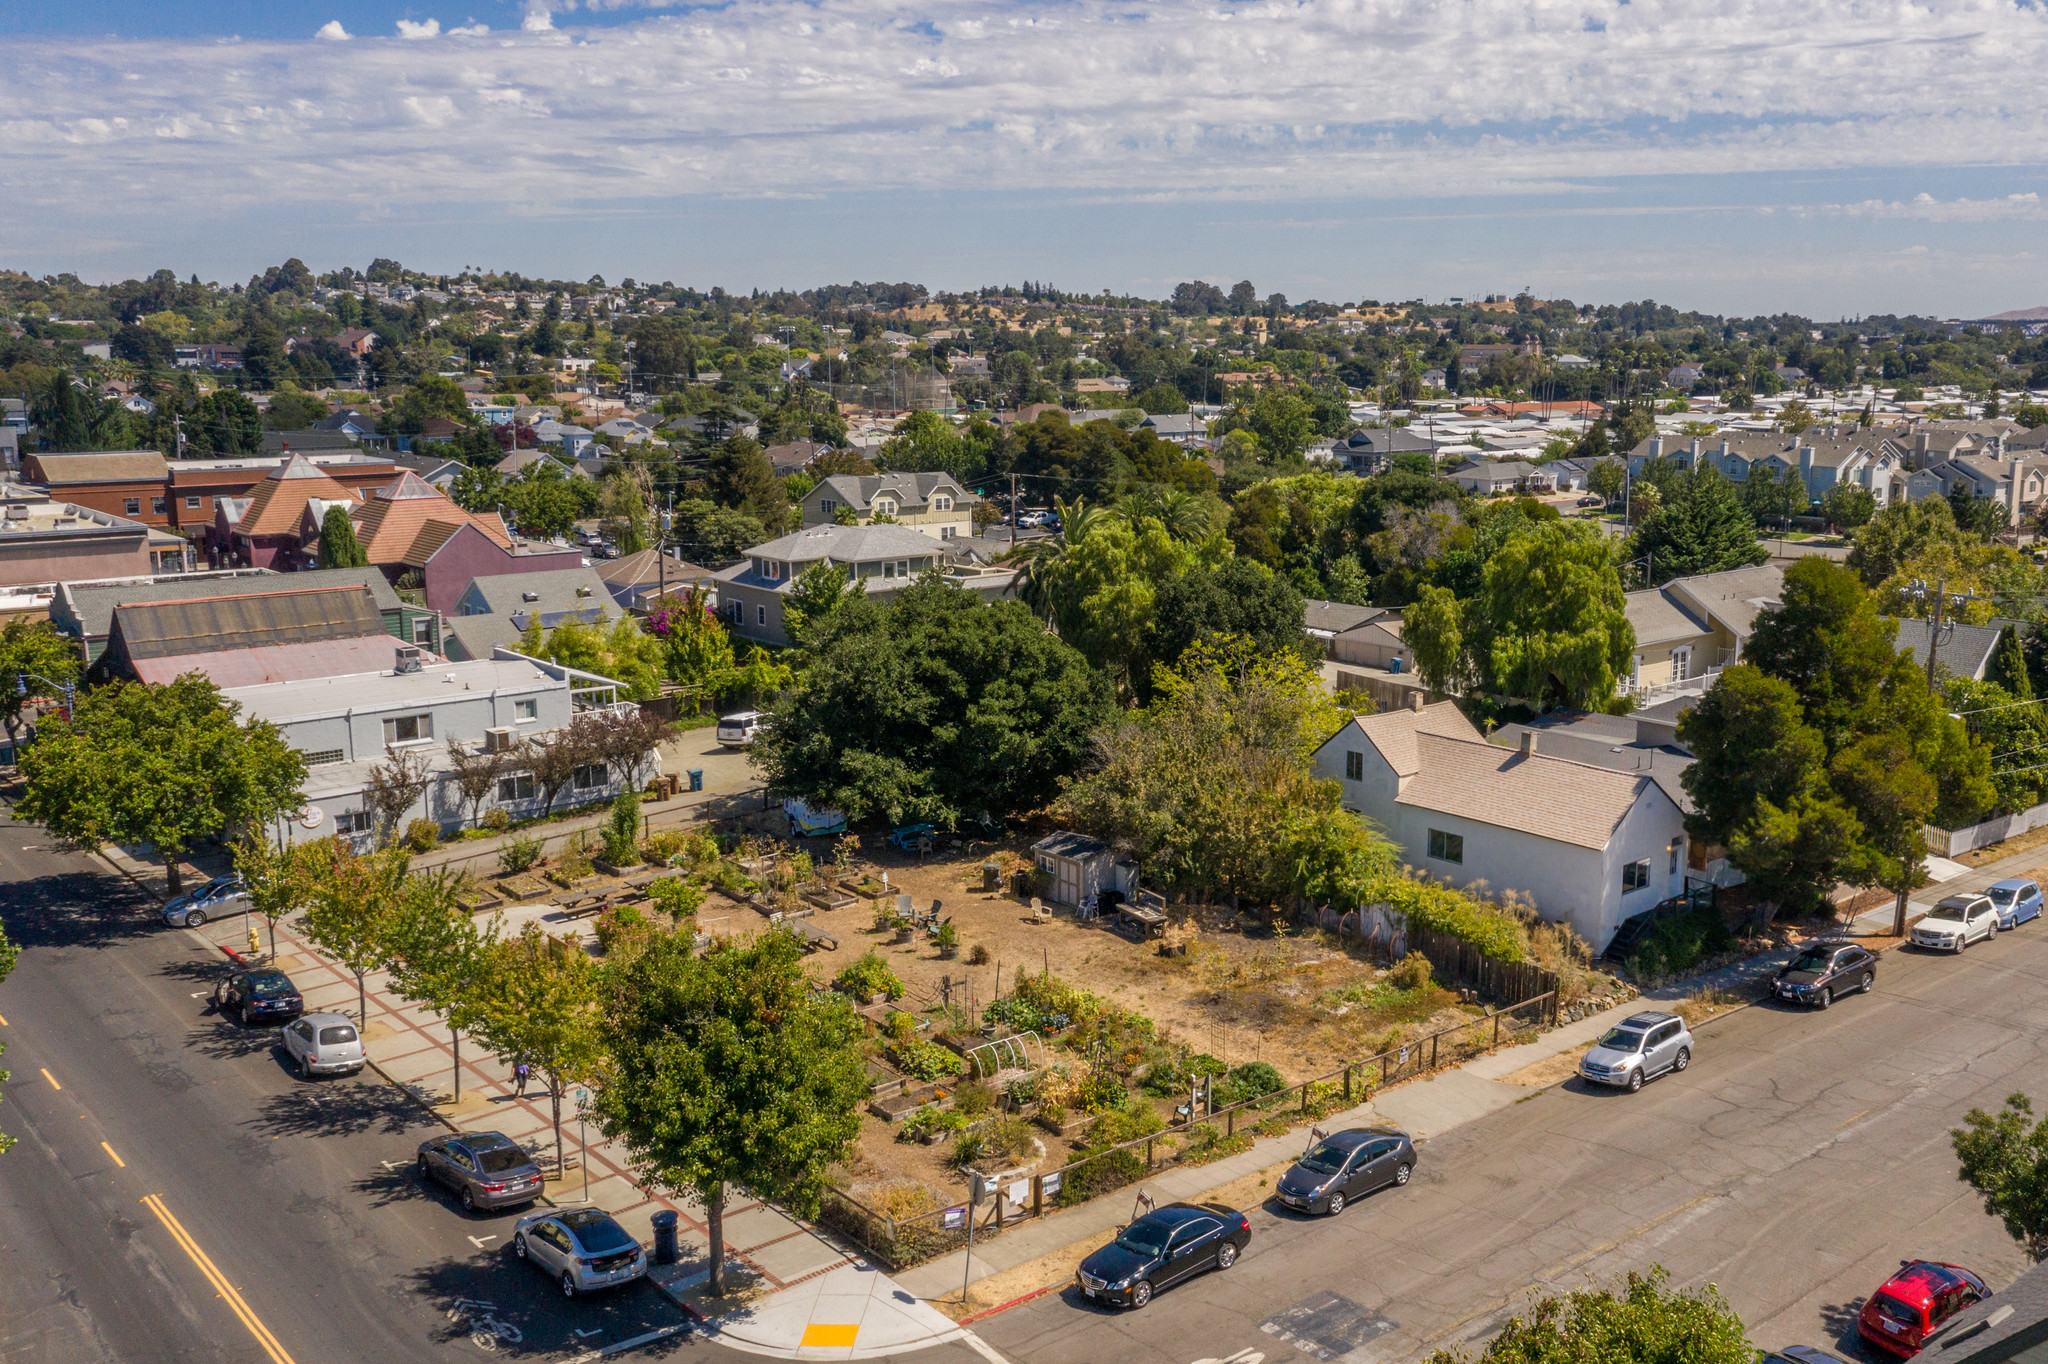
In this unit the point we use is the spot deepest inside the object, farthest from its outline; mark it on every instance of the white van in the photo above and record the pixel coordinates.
(738, 729)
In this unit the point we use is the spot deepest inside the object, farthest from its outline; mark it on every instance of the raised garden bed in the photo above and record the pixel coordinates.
(477, 899)
(524, 887)
(829, 897)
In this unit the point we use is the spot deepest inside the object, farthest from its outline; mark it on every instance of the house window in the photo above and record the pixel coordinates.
(1635, 876)
(888, 570)
(406, 729)
(760, 615)
(1681, 663)
(133, 506)
(159, 505)
(1445, 847)
(517, 787)
(1354, 766)
(191, 504)
(353, 822)
(827, 505)
(945, 532)
(942, 503)
(526, 710)
(423, 631)
(591, 776)
(322, 757)
(1676, 843)
(884, 507)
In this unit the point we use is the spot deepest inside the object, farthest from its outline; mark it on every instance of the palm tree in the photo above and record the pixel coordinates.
(1041, 564)
(1185, 516)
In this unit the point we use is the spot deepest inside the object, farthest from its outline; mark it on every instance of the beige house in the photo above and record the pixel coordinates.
(1691, 628)
(882, 559)
(931, 504)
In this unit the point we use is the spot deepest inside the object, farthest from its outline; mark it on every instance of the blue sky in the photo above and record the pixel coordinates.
(1733, 160)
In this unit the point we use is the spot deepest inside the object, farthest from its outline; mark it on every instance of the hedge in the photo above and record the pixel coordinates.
(1491, 929)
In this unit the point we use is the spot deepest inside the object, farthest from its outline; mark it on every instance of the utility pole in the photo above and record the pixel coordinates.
(1013, 511)
(178, 425)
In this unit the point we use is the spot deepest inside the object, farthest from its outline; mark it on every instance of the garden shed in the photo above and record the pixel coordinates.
(1079, 866)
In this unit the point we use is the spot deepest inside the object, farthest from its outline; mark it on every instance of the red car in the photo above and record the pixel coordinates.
(1916, 1302)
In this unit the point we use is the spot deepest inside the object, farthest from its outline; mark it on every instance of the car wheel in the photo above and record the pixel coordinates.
(195, 918)
(247, 1017)
(568, 1284)
(1401, 1173)
(306, 1067)
(1335, 1206)
(1141, 1293)
(426, 1171)
(1683, 1059)
(1227, 1255)
(1635, 1079)
(519, 1245)
(1864, 988)
(468, 1199)
(1824, 998)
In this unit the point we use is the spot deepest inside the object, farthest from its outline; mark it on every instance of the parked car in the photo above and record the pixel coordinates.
(738, 729)
(581, 1249)
(912, 838)
(2016, 901)
(1593, 501)
(1956, 922)
(1824, 971)
(1347, 1165)
(1800, 1354)
(1161, 1248)
(217, 899)
(259, 994)
(1916, 1302)
(485, 1169)
(325, 1044)
(1643, 1047)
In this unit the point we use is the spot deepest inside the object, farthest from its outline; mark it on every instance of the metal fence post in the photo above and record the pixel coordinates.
(1148, 1153)
(1304, 1096)
(1432, 1049)
(1230, 1123)
(1347, 1086)
(1496, 1030)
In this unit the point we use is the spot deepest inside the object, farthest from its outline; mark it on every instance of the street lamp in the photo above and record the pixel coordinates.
(70, 689)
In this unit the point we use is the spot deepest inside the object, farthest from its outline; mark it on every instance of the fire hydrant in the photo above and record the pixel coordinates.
(255, 943)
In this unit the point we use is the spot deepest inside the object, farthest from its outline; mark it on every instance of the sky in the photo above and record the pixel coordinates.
(1840, 158)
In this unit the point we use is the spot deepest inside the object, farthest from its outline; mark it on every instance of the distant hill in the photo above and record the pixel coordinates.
(2020, 315)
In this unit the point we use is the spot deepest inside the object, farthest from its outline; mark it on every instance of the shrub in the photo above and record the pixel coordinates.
(519, 854)
(1049, 994)
(1170, 1077)
(927, 1119)
(926, 1060)
(1098, 1175)
(575, 864)
(622, 830)
(1104, 1092)
(1412, 972)
(947, 938)
(1252, 1080)
(616, 925)
(1013, 1013)
(866, 976)
(676, 896)
(1126, 1125)
(1494, 931)
(663, 844)
(1677, 943)
(995, 1139)
(902, 1026)
(974, 1099)
(497, 820)
(979, 956)
(422, 834)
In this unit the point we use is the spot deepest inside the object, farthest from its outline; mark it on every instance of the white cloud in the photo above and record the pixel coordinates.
(1928, 209)
(333, 32)
(1309, 99)
(471, 30)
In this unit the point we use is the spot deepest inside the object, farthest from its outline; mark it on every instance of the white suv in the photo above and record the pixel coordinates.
(1956, 922)
(1645, 1046)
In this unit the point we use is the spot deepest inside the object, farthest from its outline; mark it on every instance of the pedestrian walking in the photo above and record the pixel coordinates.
(519, 1074)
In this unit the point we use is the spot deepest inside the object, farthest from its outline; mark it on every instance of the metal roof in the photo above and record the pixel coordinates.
(92, 605)
(290, 615)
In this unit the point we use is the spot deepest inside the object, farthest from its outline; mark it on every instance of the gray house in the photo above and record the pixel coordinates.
(882, 559)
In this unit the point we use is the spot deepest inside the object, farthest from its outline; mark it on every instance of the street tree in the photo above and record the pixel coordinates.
(164, 764)
(1701, 528)
(396, 785)
(34, 660)
(279, 879)
(729, 1071)
(2004, 1157)
(352, 908)
(536, 1002)
(1902, 531)
(625, 517)
(1848, 506)
(814, 601)
(1238, 597)
(554, 759)
(1635, 1320)
(338, 545)
(1775, 494)
(438, 954)
(1881, 779)
(475, 773)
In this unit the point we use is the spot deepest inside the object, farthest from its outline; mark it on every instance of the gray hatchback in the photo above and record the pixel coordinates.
(485, 1169)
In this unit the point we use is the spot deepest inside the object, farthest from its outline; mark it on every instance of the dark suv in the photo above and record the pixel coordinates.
(262, 994)
(1825, 971)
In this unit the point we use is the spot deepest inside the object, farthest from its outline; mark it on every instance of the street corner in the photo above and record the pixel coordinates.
(852, 1312)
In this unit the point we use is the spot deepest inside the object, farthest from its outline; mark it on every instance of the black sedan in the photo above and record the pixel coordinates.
(1825, 971)
(1346, 1166)
(260, 994)
(1163, 1247)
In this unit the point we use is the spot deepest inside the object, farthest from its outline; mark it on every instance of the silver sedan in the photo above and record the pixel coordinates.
(580, 1248)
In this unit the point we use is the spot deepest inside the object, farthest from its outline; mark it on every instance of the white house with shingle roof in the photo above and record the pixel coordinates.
(1587, 844)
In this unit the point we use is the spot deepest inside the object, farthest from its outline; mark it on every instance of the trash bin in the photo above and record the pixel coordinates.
(664, 1237)
(991, 876)
(696, 779)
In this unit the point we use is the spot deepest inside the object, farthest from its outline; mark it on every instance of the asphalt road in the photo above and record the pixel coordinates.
(1794, 1164)
(183, 1196)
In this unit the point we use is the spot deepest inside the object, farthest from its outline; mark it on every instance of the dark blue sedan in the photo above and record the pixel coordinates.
(260, 994)
(2016, 901)
(1161, 1248)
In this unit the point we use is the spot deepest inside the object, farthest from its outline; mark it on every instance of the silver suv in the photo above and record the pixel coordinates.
(325, 1044)
(1642, 1048)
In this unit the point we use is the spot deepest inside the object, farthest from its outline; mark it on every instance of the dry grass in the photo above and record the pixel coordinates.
(1708, 1001)
(1550, 1070)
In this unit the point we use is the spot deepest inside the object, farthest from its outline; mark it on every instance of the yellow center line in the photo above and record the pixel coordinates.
(51, 1078)
(117, 1159)
(3, 1020)
(219, 1281)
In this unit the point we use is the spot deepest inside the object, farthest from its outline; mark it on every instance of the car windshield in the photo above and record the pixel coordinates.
(220, 888)
(1325, 1159)
(596, 1232)
(1953, 913)
(1813, 959)
(335, 1036)
(498, 1159)
(2001, 895)
(266, 986)
(1889, 1306)
(1622, 1039)
(1147, 1239)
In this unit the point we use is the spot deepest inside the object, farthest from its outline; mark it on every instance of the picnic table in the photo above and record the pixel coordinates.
(586, 904)
(815, 936)
(1150, 922)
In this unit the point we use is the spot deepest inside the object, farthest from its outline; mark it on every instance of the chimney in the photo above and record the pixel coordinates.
(1656, 447)
(1528, 743)
(1415, 698)
(1806, 462)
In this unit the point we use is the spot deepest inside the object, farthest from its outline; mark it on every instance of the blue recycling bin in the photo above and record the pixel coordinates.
(664, 1237)
(696, 779)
